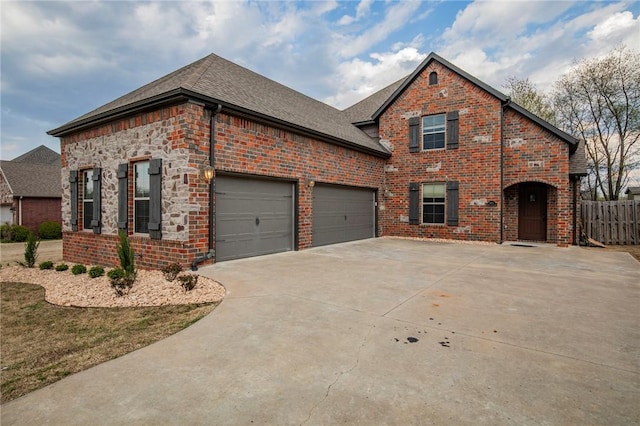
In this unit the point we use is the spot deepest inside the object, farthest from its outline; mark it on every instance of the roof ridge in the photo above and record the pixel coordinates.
(199, 71)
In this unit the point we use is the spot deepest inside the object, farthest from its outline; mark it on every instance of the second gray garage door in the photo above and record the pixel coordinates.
(342, 214)
(253, 217)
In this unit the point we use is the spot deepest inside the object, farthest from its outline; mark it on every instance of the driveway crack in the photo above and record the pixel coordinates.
(342, 373)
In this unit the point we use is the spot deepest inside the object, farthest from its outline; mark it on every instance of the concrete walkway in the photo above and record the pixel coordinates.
(384, 331)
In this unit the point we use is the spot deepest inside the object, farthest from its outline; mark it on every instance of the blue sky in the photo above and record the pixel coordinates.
(62, 59)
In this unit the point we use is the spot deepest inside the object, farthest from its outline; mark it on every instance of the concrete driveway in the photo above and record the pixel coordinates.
(384, 331)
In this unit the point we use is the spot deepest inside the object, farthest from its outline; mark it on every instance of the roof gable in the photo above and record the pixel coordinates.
(504, 99)
(214, 80)
(39, 155)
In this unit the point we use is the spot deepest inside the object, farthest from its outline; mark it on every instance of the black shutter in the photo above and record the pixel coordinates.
(155, 198)
(96, 221)
(414, 134)
(73, 181)
(452, 203)
(414, 203)
(453, 134)
(123, 196)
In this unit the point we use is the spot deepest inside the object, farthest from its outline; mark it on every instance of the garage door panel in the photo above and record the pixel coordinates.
(253, 217)
(342, 214)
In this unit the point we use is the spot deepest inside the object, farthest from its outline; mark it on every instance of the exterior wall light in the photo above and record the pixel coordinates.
(311, 183)
(207, 173)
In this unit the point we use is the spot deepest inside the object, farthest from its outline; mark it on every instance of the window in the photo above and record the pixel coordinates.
(433, 203)
(87, 199)
(433, 131)
(141, 198)
(433, 78)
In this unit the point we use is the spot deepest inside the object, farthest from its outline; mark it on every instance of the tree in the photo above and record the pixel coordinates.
(527, 95)
(598, 100)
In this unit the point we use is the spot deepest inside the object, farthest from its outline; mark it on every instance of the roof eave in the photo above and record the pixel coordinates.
(167, 98)
(183, 95)
(572, 141)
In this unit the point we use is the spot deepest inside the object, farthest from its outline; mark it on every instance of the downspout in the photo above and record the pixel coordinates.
(212, 144)
(575, 210)
(20, 210)
(504, 105)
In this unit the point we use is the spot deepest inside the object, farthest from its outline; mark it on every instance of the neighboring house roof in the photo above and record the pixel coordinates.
(32, 179)
(635, 190)
(362, 112)
(573, 142)
(214, 80)
(36, 173)
(40, 155)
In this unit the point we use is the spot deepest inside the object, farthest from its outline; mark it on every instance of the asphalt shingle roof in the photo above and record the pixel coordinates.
(363, 111)
(217, 80)
(36, 173)
(32, 179)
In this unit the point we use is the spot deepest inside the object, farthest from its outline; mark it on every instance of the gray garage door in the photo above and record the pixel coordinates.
(342, 214)
(253, 217)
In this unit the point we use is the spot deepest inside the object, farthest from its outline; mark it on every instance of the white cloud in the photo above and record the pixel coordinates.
(363, 9)
(536, 40)
(357, 79)
(396, 15)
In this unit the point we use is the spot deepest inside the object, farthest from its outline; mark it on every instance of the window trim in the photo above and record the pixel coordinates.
(87, 175)
(136, 198)
(443, 203)
(444, 132)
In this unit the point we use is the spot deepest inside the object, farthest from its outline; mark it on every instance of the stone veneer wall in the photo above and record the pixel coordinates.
(180, 136)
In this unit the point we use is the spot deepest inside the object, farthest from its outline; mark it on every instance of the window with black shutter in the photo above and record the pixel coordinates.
(73, 184)
(155, 198)
(96, 216)
(123, 196)
(452, 130)
(414, 134)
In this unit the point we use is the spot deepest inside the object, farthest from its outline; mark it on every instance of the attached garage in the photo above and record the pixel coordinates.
(253, 217)
(342, 213)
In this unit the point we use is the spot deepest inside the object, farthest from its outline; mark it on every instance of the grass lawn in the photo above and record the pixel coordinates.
(42, 343)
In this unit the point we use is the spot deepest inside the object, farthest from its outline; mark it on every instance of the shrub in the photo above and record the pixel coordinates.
(6, 234)
(30, 251)
(121, 282)
(20, 233)
(50, 230)
(47, 264)
(78, 269)
(61, 267)
(96, 271)
(126, 254)
(188, 281)
(171, 271)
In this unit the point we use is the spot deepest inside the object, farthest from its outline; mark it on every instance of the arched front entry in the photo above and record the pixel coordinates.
(532, 211)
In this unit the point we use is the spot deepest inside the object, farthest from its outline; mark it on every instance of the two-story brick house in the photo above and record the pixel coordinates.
(215, 159)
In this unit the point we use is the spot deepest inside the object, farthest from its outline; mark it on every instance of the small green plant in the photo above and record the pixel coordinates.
(171, 271)
(47, 264)
(188, 281)
(5, 233)
(126, 254)
(30, 251)
(50, 230)
(78, 269)
(61, 267)
(96, 271)
(121, 282)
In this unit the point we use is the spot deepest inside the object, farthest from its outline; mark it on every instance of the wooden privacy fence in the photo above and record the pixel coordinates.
(611, 222)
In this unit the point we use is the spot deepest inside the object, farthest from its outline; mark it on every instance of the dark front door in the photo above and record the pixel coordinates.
(532, 212)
